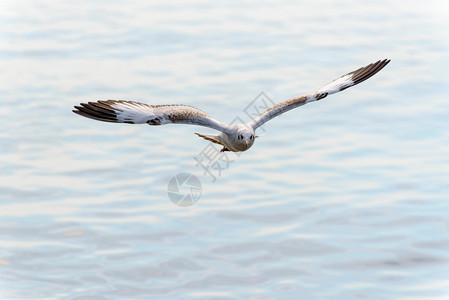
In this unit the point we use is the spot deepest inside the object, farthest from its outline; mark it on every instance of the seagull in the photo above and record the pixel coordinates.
(236, 137)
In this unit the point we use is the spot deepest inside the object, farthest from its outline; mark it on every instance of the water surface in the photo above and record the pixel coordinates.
(345, 198)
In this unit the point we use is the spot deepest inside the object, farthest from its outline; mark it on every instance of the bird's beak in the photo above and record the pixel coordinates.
(246, 143)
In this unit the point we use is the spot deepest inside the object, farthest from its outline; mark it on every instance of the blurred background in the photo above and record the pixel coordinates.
(345, 198)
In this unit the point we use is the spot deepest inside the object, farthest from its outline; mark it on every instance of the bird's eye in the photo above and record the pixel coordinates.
(251, 137)
(240, 137)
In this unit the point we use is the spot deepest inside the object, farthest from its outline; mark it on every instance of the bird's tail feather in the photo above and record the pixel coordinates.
(211, 138)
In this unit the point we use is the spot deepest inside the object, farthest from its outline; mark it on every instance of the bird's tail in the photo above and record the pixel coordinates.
(211, 138)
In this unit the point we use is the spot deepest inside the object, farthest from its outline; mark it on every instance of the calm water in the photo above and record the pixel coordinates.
(341, 199)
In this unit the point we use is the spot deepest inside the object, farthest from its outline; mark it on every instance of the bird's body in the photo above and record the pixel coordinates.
(237, 137)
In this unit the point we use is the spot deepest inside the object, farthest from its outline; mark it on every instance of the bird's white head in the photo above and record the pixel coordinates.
(242, 138)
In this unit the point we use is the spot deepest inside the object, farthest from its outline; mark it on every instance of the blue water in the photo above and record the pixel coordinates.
(345, 198)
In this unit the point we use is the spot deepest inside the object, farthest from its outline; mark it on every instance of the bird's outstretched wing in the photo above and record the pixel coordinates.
(339, 84)
(121, 111)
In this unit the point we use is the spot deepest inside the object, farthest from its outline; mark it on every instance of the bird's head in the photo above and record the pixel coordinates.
(243, 138)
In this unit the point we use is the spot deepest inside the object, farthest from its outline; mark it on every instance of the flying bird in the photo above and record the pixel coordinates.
(236, 137)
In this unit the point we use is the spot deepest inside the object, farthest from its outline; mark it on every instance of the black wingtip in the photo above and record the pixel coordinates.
(96, 111)
(364, 73)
